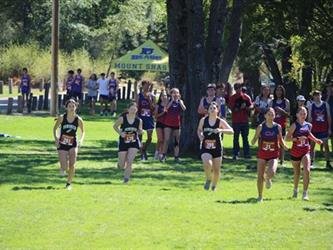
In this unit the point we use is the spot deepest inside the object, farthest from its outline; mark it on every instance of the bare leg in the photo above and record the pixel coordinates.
(306, 172)
(130, 158)
(72, 161)
(261, 165)
(176, 134)
(208, 164)
(216, 171)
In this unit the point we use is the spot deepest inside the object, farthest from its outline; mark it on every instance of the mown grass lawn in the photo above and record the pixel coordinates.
(163, 207)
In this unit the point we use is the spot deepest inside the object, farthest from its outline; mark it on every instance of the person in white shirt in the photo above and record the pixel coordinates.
(103, 89)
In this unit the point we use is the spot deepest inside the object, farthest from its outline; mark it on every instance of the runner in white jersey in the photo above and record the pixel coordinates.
(103, 89)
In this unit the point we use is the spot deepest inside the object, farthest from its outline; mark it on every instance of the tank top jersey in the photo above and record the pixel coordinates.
(130, 130)
(77, 84)
(269, 142)
(68, 131)
(211, 141)
(160, 109)
(319, 118)
(25, 83)
(172, 117)
(206, 103)
(144, 106)
(280, 119)
(69, 83)
(302, 145)
(113, 87)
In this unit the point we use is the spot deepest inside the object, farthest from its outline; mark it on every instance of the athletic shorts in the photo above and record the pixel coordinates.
(172, 127)
(160, 125)
(90, 98)
(25, 90)
(321, 135)
(268, 159)
(215, 153)
(66, 147)
(76, 96)
(112, 98)
(124, 147)
(147, 122)
(103, 98)
(294, 158)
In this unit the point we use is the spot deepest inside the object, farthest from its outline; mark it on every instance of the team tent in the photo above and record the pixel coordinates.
(147, 57)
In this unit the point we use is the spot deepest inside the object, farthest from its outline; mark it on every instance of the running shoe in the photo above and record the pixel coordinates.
(305, 196)
(268, 183)
(213, 188)
(260, 199)
(62, 172)
(295, 193)
(207, 185)
(126, 180)
(68, 187)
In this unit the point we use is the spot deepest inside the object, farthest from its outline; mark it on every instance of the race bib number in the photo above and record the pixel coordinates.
(145, 112)
(301, 142)
(67, 140)
(129, 138)
(210, 144)
(320, 118)
(268, 146)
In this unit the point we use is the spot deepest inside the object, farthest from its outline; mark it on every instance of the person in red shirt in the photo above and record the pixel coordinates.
(240, 105)
(270, 138)
(172, 123)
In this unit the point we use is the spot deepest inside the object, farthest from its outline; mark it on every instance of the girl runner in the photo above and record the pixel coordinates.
(92, 87)
(300, 134)
(172, 123)
(261, 103)
(320, 118)
(160, 111)
(67, 142)
(205, 101)
(145, 103)
(270, 137)
(129, 143)
(281, 106)
(209, 130)
(25, 86)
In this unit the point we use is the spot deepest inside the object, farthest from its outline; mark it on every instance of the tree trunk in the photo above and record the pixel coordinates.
(272, 64)
(195, 74)
(306, 87)
(213, 49)
(253, 76)
(177, 41)
(233, 41)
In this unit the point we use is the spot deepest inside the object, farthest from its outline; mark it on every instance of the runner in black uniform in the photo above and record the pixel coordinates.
(129, 143)
(209, 130)
(67, 142)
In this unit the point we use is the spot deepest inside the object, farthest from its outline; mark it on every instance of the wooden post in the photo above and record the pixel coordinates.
(1, 87)
(124, 93)
(10, 105)
(34, 103)
(135, 89)
(19, 104)
(10, 85)
(46, 96)
(155, 92)
(129, 86)
(40, 102)
(29, 103)
(133, 95)
(55, 57)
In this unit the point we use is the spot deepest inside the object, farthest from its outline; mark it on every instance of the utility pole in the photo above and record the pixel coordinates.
(55, 57)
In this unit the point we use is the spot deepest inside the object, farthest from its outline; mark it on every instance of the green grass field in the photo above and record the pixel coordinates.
(163, 207)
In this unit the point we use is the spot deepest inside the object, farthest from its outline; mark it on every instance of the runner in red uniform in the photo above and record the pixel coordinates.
(300, 134)
(320, 117)
(270, 138)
